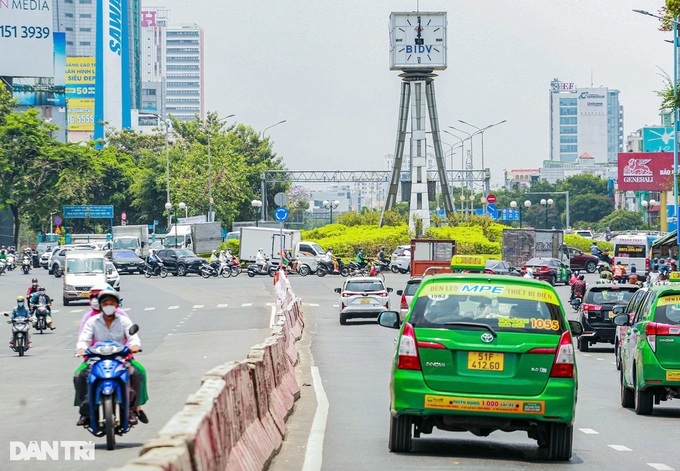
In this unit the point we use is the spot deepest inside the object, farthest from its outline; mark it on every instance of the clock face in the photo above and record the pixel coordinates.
(418, 40)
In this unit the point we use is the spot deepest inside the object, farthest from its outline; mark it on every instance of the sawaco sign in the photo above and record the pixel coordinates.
(645, 171)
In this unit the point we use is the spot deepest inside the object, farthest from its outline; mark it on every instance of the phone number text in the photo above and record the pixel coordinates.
(24, 32)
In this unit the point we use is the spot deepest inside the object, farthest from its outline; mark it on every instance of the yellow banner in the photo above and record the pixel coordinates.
(668, 300)
(506, 406)
(80, 114)
(467, 262)
(674, 276)
(492, 290)
(672, 375)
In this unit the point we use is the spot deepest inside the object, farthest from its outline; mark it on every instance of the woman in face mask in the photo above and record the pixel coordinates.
(96, 310)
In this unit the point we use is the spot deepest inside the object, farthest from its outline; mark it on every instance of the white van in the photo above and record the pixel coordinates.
(631, 249)
(82, 270)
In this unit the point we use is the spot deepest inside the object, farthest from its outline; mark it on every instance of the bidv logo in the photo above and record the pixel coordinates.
(418, 49)
(42, 451)
(115, 26)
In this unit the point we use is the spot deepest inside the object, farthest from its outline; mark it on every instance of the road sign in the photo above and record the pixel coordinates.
(82, 212)
(281, 214)
(281, 199)
(123, 216)
(491, 198)
(57, 221)
(492, 210)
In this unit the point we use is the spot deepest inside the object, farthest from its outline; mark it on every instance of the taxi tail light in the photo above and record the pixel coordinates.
(488, 272)
(592, 307)
(653, 329)
(404, 304)
(346, 294)
(408, 352)
(563, 366)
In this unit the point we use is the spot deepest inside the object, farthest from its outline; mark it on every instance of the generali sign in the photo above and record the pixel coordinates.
(645, 171)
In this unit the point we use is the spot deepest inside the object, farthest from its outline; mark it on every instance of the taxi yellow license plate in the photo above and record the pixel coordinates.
(485, 361)
(365, 301)
(85, 294)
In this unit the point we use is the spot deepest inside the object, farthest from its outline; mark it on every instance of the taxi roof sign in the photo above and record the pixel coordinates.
(674, 277)
(468, 262)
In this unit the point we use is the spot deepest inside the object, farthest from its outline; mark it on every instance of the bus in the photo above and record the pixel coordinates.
(632, 250)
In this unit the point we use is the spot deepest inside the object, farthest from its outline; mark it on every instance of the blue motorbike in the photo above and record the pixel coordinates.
(108, 387)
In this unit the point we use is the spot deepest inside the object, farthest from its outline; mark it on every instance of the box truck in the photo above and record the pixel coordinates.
(202, 237)
(268, 239)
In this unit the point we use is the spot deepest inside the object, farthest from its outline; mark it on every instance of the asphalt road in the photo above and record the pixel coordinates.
(353, 362)
(187, 325)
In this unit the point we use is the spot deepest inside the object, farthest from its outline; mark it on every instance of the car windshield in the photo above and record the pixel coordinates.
(668, 310)
(611, 295)
(491, 264)
(411, 288)
(126, 243)
(185, 253)
(506, 308)
(367, 286)
(539, 262)
(125, 254)
(85, 265)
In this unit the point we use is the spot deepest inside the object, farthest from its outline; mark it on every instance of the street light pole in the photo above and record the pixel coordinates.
(269, 127)
(168, 207)
(481, 132)
(513, 205)
(256, 204)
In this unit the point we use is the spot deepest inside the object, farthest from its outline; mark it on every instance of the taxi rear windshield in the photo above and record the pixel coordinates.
(630, 250)
(610, 295)
(668, 310)
(504, 308)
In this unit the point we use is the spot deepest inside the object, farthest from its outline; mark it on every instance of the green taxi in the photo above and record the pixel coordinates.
(650, 349)
(480, 353)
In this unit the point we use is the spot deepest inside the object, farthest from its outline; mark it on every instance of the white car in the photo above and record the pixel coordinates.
(400, 260)
(112, 276)
(362, 297)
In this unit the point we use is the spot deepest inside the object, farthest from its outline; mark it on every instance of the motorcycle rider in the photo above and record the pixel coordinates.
(574, 277)
(20, 311)
(214, 258)
(578, 289)
(360, 259)
(260, 260)
(607, 234)
(383, 260)
(32, 289)
(108, 325)
(34, 301)
(153, 260)
(595, 250)
(330, 260)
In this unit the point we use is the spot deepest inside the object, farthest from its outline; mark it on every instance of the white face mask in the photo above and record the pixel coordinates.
(109, 310)
(94, 304)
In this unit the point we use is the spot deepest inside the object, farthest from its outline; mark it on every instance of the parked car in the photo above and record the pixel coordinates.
(650, 351)
(551, 270)
(596, 312)
(46, 254)
(634, 305)
(400, 259)
(126, 261)
(56, 262)
(481, 354)
(582, 261)
(112, 275)
(362, 297)
(588, 234)
(500, 267)
(407, 294)
(179, 262)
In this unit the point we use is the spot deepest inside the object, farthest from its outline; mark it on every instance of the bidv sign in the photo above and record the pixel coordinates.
(418, 49)
(54, 451)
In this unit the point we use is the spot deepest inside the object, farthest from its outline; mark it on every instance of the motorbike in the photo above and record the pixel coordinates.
(20, 329)
(215, 269)
(603, 266)
(576, 303)
(41, 312)
(3, 266)
(255, 269)
(235, 266)
(158, 270)
(26, 265)
(109, 390)
(326, 268)
(11, 262)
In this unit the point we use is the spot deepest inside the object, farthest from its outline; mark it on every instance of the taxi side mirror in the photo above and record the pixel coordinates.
(622, 320)
(400, 292)
(618, 310)
(576, 328)
(389, 290)
(389, 319)
(338, 290)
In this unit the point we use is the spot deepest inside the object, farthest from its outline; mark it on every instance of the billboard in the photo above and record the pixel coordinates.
(659, 139)
(80, 93)
(26, 47)
(48, 90)
(645, 171)
(112, 66)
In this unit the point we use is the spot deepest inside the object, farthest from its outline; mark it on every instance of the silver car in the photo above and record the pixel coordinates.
(407, 294)
(362, 297)
(112, 276)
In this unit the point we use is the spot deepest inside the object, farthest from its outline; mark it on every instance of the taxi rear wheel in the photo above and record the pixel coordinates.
(401, 433)
(644, 401)
(627, 399)
(560, 442)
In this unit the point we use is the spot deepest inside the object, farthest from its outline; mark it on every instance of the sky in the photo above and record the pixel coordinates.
(323, 66)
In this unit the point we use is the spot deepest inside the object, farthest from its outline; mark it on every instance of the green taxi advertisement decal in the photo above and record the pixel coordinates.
(668, 300)
(674, 276)
(515, 292)
(672, 375)
(508, 406)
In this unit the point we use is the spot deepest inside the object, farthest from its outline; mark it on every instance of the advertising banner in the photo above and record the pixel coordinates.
(80, 93)
(26, 46)
(657, 139)
(112, 64)
(645, 171)
(49, 90)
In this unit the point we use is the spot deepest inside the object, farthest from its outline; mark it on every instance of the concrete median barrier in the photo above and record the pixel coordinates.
(236, 420)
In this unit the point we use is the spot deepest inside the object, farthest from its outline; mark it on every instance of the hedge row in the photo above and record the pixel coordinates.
(583, 244)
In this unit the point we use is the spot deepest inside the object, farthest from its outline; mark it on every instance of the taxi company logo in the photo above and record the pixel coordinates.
(637, 171)
(487, 338)
(42, 451)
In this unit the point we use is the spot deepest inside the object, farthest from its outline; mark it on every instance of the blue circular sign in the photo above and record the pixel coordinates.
(281, 214)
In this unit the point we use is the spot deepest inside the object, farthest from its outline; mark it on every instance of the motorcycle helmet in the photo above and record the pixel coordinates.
(330, 249)
(20, 299)
(98, 288)
(383, 248)
(214, 252)
(108, 294)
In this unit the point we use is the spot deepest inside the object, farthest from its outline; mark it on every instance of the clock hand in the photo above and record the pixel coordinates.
(419, 41)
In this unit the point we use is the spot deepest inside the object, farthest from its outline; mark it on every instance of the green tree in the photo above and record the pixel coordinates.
(620, 220)
(590, 208)
(584, 184)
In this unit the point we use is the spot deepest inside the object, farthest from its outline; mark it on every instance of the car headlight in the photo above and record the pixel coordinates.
(69, 288)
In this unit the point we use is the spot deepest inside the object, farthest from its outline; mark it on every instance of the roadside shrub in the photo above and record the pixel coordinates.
(583, 244)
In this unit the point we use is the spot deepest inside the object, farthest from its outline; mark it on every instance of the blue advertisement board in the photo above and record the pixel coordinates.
(657, 139)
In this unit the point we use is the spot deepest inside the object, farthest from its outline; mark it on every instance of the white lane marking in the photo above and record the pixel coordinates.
(314, 453)
(173, 307)
(246, 304)
(222, 305)
(589, 431)
(613, 363)
(335, 305)
(73, 311)
(271, 304)
(660, 467)
(312, 305)
(601, 359)
(586, 354)
(198, 306)
(181, 322)
(55, 310)
(620, 448)
(272, 318)
(126, 309)
(149, 308)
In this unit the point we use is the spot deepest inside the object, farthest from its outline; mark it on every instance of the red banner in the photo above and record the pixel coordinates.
(645, 171)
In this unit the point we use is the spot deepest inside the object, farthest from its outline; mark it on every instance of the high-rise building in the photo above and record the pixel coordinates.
(172, 66)
(585, 120)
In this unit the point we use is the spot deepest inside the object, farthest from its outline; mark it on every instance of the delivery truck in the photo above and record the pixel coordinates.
(268, 239)
(135, 238)
(201, 237)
